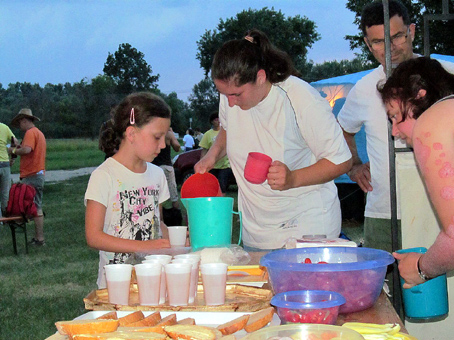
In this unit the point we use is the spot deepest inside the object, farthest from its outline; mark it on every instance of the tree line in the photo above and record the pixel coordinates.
(78, 109)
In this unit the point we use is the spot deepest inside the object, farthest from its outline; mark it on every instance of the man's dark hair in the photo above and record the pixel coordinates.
(372, 14)
(213, 116)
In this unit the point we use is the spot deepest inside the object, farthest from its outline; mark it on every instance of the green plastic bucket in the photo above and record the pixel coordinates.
(210, 221)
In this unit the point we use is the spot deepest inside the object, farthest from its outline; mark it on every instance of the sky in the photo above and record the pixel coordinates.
(59, 41)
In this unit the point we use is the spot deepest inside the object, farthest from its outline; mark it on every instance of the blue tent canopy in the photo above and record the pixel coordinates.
(345, 79)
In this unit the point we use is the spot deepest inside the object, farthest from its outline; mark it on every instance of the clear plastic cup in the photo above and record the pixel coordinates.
(162, 259)
(149, 283)
(178, 277)
(194, 276)
(118, 278)
(214, 279)
(188, 256)
(167, 258)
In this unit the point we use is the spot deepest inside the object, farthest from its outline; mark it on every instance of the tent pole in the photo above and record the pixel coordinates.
(396, 292)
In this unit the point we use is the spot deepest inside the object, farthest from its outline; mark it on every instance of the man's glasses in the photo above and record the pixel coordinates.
(397, 40)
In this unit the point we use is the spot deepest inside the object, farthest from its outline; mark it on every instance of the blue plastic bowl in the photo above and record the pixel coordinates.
(357, 274)
(308, 306)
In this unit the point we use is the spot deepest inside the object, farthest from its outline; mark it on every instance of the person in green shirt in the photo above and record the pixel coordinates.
(221, 169)
(6, 139)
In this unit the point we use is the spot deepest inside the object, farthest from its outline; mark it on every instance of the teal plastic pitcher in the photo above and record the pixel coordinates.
(210, 221)
(427, 300)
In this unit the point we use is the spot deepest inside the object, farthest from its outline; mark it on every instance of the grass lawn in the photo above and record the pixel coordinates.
(50, 282)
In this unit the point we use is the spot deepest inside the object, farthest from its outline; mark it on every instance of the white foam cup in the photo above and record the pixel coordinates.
(178, 277)
(214, 279)
(149, 283)
(177, 236)
(118, 277)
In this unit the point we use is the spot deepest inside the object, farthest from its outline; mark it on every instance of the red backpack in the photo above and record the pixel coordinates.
(22, 201)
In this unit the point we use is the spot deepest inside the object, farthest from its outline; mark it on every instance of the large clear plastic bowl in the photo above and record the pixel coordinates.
(306, 331)
(357, 274)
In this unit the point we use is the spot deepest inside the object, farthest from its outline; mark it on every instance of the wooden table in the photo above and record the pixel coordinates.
(381, 312)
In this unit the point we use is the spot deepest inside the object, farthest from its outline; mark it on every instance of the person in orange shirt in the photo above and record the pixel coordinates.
(32, 152)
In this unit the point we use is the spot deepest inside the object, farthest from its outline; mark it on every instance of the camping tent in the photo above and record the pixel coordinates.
(338, 87)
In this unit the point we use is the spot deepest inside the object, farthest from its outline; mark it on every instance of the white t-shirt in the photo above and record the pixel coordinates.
(188, 141)
(132, 205)
(294, 125)
(364, 106)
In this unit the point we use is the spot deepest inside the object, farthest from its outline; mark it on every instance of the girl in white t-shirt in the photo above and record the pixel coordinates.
(124, 194)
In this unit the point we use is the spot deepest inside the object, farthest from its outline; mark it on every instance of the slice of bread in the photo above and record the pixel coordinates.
(154, 329)
(259, 319)
(121, 336)
(169, 320)
(150, 320)
(233, 326)
(86, 326)
(109, 315)
(185, 332)
(130, 318)
(217, 332)
(187, 321)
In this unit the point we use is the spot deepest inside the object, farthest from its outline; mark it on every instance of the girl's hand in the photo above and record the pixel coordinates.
(279, 176)
(408, 268)
(158, 244)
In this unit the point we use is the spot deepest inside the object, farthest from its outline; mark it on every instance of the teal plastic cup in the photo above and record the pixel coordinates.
(427, 300)
(210, 221)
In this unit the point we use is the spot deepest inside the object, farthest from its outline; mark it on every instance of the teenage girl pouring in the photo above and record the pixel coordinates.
(265, 108)
(124, 194)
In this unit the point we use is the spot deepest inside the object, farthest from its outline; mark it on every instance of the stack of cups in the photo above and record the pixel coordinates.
(178, 278)
(149, 282)
(194, 260)
(214, 279)
(163, 260)
(118, 278)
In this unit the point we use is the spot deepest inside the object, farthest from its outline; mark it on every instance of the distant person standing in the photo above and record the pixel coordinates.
(188, 140)
(164, 161)
(32, 152)
(6, 137)
(198, 135)
(221, 169)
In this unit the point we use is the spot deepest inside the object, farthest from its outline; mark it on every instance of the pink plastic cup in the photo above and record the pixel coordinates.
(256, 168)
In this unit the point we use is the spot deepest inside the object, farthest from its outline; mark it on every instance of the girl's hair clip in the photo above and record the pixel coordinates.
(249, 38)
(132, 118)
